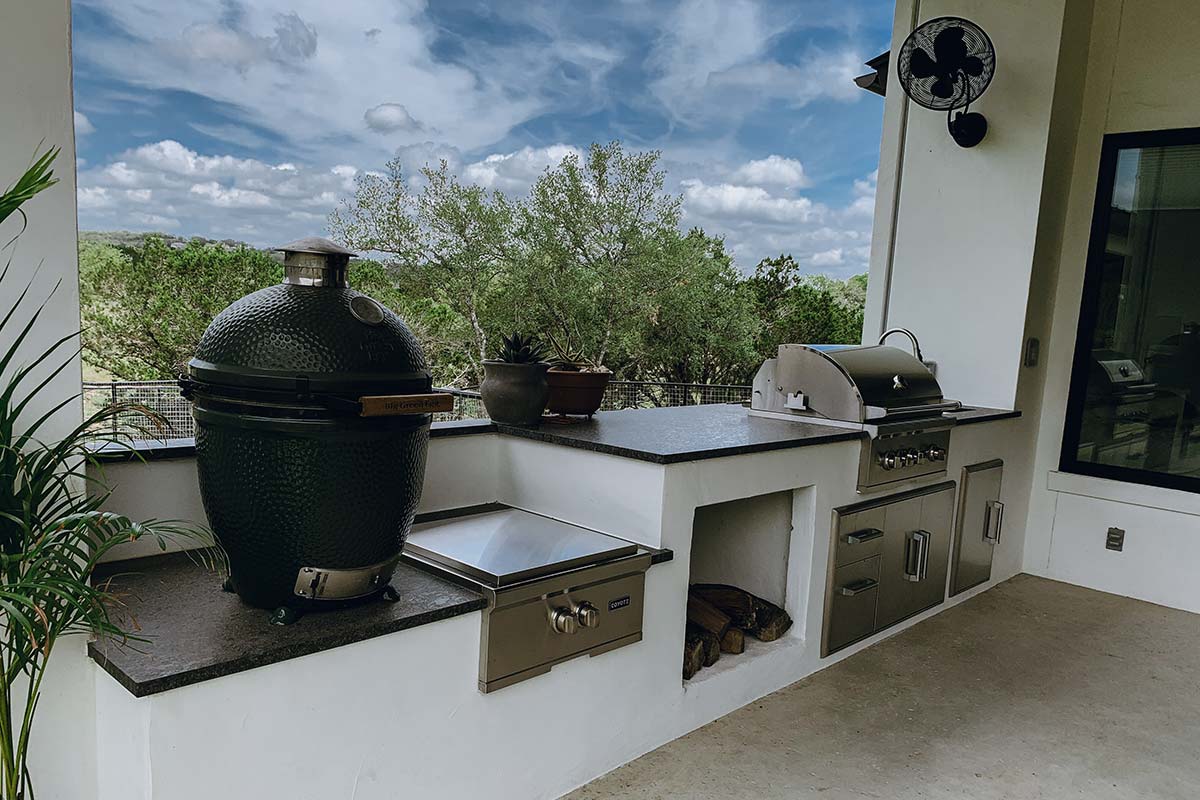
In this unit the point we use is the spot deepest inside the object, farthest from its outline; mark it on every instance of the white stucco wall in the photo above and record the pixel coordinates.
(1141, 69)
(955, 229)
(35, 95)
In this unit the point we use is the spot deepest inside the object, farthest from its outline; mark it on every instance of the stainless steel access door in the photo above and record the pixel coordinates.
(977, 530)
(916, 554)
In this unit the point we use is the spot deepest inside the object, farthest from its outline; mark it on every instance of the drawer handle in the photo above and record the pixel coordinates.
(865, 535)
(916, 556)
(858, 587)
(993, 519)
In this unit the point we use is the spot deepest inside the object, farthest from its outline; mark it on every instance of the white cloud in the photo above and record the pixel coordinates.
(389, 117)
(230, 197)
(828, 258)
(92, 197)
(712, 63)
(154, 221)
(83, 125)
(218, 195)
(772, 171)
(514, 172)
(747, 202)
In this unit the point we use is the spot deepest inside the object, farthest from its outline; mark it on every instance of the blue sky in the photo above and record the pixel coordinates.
(249, 120)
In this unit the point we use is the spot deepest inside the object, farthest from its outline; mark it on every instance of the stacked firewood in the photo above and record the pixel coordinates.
(718, 619)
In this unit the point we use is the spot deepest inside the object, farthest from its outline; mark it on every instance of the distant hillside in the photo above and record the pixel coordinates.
(137, 239)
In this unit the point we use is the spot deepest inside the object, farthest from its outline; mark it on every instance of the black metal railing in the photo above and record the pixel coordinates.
(164, 398)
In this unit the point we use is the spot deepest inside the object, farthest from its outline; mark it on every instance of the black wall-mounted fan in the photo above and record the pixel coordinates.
(945, 65)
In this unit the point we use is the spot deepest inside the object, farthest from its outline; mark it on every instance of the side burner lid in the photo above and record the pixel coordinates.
(500, 548)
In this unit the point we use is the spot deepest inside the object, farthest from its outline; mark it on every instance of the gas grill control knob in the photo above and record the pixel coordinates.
(887, 460)
(936, 454)
(562, 620)
(588, 615)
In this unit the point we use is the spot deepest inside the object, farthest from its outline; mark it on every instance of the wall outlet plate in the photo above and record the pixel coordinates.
(1115, 539)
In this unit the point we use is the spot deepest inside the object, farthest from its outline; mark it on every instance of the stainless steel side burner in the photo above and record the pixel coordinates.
(555, 591)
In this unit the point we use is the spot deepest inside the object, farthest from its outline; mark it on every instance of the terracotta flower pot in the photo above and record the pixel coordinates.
(514, 394)
(574, 392)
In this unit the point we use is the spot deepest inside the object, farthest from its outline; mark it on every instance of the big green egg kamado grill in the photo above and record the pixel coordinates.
(312, 404)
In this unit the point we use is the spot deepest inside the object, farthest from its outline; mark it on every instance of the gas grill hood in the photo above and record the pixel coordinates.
(869, 385)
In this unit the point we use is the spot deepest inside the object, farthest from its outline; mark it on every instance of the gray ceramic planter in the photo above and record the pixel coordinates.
(514, 394)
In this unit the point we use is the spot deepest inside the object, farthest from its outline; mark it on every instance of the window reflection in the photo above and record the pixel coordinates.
(1136, 415)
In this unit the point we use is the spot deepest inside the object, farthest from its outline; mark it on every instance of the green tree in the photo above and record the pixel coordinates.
(598, 235)
(800, 308)
(704, 326)
(144, 309)
(448, 243)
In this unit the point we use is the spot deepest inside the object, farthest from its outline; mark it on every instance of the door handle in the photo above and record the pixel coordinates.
(916, 555)
(865, 535)
(993, 519)
(858, 587)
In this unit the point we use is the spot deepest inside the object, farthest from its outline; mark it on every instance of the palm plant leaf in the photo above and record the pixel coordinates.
(54, 528)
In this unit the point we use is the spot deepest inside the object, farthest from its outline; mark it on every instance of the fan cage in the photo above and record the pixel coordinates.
(978, 43)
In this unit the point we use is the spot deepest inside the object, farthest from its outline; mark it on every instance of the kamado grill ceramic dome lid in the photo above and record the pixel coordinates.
(311, 332)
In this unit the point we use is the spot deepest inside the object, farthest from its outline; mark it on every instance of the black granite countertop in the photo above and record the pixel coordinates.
(658, 435)
(971, 416)
(199, 632)
(682, 433)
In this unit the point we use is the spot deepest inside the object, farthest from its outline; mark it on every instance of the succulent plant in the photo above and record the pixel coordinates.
(570, 358)
(518, 349)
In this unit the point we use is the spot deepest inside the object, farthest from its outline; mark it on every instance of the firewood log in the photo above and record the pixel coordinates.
(736, 603)
(693, 655)
(759, 618)
(772, 621)
(734, 641)
(707, 616)
(712, 645)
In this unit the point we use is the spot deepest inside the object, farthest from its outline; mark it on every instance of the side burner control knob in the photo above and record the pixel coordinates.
(562, 620)
(588, 615)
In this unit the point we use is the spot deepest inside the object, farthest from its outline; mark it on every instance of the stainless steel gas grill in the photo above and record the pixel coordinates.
(555, 591)
(883, 391)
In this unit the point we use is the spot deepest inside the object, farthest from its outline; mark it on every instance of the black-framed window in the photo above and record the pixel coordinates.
(1133, 412)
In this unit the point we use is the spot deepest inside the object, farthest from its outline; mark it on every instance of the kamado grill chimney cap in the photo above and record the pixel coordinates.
(314, 261)
(317, 245)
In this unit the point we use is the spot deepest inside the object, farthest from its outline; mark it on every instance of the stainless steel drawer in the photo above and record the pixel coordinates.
(852, 604)
(859, 536)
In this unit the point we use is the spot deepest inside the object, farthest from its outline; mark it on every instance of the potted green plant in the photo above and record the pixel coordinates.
(514, 389)
(577, 383)
(53, 526)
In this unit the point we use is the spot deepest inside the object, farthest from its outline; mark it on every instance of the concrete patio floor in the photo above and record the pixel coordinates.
(1034, 689)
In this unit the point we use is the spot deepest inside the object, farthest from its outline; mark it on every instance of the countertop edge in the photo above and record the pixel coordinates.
(244, 663)
(699, 454)
(977, 416)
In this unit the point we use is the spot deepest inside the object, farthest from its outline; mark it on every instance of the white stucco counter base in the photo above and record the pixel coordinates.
(400, 716)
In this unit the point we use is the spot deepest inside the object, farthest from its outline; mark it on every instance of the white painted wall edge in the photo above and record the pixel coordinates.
(1134, 494)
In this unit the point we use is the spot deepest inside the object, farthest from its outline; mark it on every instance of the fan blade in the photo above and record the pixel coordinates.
(973, 66)
(921, 65)
(943, 87)
(949, 49)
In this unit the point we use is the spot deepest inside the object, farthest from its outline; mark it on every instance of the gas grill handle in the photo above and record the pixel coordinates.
(916, 556)
(394, 405)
